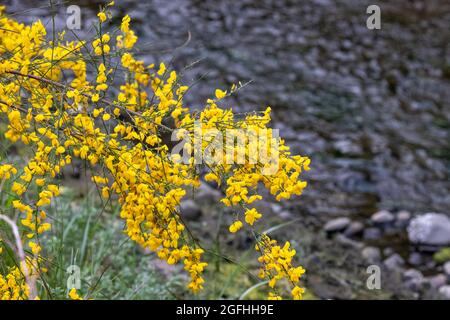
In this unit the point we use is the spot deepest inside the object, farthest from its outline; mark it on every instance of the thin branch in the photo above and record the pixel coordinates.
(31, 282)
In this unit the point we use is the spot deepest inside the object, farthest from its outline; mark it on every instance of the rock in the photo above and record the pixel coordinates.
(349, 243)
(190, 210)
(395, 261)
(388, 251)
(285, 214)
(371, 234)
(206, 193)
(412, 274)
(444, 291)
(446, 268)
(437, 281)
(415, 259)
(430, 229)
(337, 224)
(414, 279)
(402, 219)
(276, 208)
(371, 254)
(382, 217)
(354, 229)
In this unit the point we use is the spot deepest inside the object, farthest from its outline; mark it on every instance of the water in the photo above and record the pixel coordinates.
(371, 108)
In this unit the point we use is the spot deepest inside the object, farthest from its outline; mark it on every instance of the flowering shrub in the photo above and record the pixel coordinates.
(61, 100)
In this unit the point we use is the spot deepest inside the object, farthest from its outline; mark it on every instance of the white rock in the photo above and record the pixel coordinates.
(382, 217)
(371, 254)
(446, 268)
(403, 218)
(337, 224)
(437, 281)
(430, 229)
(445, 292)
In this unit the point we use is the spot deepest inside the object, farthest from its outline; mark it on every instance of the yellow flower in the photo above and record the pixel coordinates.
(74, 295)
(35, 248)
(297, 293)
(162, 69)
(235, 226)
(60, 150)
(220, 94)
(251, 216)
(101, 16)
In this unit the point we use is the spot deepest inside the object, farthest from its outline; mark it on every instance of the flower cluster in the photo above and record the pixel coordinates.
(121, 135)
(277, 264)
(13, 286)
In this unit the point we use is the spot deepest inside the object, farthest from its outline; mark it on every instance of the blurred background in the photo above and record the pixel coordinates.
(371, 108)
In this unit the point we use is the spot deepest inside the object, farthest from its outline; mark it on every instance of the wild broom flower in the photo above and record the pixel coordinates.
(122, 137)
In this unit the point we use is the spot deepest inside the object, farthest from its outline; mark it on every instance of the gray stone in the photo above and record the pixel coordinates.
(415, 259)
(446, 268)
(444, 291)
(371, 234)
(206, 193)
(371, 254)
(276, 208)
(354, 229)
(412, 274)
(382, 217)
(349, 243)
(190, 210)
(402, 219)
(395, 261)
(430, 229)
(337, 224)
(388, 251)
(285, 214)
(413, 280)
(437, 281)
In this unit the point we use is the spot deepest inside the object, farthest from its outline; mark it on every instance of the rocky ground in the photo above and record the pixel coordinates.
(371, 108)
(410, 251)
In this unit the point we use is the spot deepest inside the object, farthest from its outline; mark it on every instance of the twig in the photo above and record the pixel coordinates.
(27, 273)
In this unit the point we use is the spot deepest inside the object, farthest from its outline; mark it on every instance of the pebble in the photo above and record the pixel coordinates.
(444, 291)
(206, 193)
(395, 261)
(337, 224)
(415, 259)
(382, 217)
(371, 234)
(446, 268)
(190, 210)
(437, 281)
(414, 280)
(402, 219)
(371, 254)
(354, 228)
